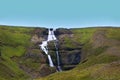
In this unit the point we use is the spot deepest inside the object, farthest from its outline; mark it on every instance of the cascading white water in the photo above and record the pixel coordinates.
(45, 49)
(50, 61)
(51, 37)
(58, 58)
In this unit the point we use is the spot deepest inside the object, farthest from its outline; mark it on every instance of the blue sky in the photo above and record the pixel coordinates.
(60, 13)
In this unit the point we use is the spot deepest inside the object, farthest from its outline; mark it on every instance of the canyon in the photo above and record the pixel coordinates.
(84, 53)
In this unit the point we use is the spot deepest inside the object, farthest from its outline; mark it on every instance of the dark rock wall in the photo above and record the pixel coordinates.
(69, 49)
(35, 61)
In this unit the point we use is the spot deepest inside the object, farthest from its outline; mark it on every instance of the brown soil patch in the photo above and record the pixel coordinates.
(99, 40)
(115, 50)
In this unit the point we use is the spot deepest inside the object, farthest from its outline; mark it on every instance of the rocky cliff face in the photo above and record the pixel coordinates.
(35, 61)
(69, 49)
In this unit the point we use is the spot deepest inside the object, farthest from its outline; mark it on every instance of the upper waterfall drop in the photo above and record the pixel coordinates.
(45, 48)
(51, 35)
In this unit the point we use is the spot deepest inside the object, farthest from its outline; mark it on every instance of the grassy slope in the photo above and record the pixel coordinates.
(13, 42)
(97, 63)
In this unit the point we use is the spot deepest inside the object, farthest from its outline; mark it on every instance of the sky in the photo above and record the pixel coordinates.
(60, 13)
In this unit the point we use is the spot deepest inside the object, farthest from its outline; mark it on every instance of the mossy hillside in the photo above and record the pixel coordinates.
(113, 33)
(13, 42)
(98, 55)
(80, 37)
(83, 35)
(94, 72)
(97, 64)
(32, 60)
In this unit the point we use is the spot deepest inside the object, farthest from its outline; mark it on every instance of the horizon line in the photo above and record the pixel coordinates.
(59, 27)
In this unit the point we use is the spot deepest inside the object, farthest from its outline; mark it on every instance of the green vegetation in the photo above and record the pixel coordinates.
(13, 43)
(114, 33)
(95, 72)
(83, 35)
(96, 64)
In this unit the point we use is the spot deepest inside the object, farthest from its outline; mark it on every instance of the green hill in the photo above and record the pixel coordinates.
(100, 56)
(13, 42)
(93, 53)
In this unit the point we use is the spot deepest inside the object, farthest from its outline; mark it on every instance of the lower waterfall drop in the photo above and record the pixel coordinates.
(58, 57)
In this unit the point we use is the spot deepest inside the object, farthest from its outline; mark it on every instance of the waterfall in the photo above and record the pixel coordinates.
(51, 37)
(45, 49)
(50, 61)
(58, 58)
